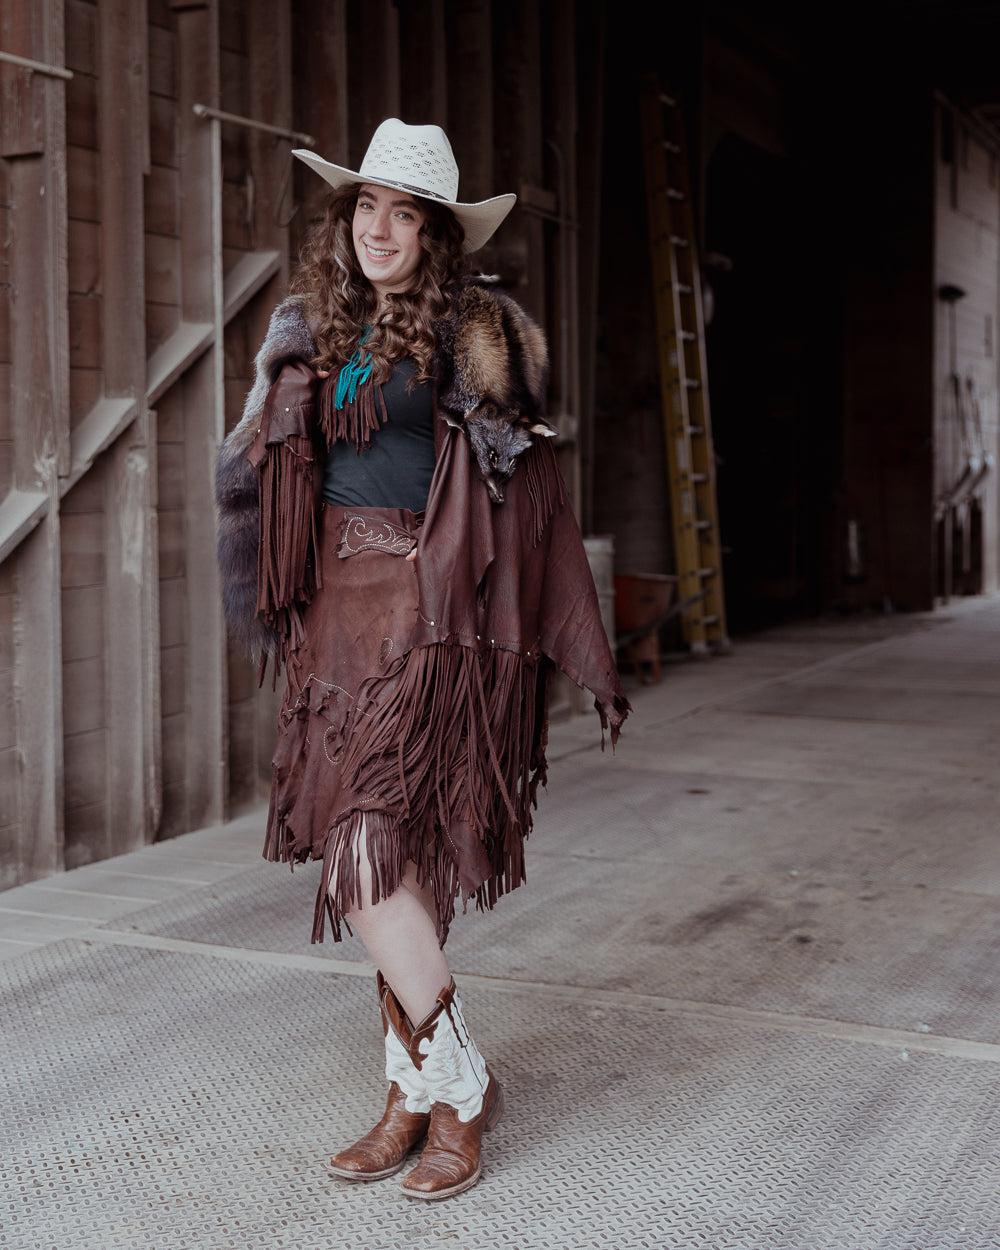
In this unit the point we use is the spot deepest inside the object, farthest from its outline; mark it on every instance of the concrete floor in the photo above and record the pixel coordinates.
(748, 998)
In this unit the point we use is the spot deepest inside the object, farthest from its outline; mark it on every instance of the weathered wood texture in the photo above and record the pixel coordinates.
(32, 144)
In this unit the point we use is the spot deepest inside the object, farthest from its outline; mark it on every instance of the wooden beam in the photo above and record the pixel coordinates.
(20, 512)
(39, 392)
(518, 143)
(590, 151)
(252, 720)
(319, 84)
(470, 97)
(174, 357)
(373, 70)
(560, 143)
(204, 408)
(423, 74)
(250, 274)
(132, 583)
(104, 423)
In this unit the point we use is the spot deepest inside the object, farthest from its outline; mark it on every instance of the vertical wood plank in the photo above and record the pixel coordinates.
(269, 38)
(561, 142)
(203, 390)
(518, 141)
(320, 98)
(39, 390)
(373, 70)
(470, 97)
(423, 78)
(132, 666)
(589, 148)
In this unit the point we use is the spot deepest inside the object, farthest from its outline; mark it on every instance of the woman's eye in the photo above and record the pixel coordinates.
(404, 216)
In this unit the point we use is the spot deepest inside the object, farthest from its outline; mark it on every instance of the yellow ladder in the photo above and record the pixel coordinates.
(683, 373)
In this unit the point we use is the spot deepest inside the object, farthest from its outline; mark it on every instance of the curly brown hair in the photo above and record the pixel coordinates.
(341, 301)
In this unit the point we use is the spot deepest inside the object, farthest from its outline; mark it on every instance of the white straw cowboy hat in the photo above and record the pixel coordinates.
(417, 159)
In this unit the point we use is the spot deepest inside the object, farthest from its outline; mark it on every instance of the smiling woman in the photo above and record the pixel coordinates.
(387, 238)
(419, 614)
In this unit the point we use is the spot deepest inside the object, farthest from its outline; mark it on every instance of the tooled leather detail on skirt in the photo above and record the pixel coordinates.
(362, 533)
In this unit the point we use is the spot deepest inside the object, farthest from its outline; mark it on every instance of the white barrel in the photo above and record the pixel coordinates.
(600, 549)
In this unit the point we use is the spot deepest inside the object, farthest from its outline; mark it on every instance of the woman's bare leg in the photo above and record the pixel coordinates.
(400, 936)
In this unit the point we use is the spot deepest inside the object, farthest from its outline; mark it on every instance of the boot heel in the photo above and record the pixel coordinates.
(496, 1110)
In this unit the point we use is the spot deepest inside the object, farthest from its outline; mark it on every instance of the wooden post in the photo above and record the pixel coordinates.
(33, 140)
(422, 75)
(200, 164)
(561, 144)
(373, 70)
(590, 151)
(518, 143)
(252, 722)
(320, 85)
(470, 97)
(132, 648)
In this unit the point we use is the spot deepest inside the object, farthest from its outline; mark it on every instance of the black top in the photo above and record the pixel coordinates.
(395, 470)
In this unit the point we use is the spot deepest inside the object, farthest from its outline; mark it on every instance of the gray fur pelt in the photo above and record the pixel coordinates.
(490, 367)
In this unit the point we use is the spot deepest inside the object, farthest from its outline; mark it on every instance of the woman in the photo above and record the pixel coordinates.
(418, 613)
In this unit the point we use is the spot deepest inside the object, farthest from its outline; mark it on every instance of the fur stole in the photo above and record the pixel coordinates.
(490, 369)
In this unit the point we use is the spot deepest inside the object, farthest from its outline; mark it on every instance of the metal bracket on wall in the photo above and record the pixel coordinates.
(296, 136)
(54, 71)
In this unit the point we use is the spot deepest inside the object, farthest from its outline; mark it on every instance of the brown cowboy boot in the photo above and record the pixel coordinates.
(383, 1151)
(466, 1101)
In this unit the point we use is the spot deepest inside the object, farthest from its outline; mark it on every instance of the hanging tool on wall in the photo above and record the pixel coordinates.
(683, 372)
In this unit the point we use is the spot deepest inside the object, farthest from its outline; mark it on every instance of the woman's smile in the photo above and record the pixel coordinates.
(386, 232)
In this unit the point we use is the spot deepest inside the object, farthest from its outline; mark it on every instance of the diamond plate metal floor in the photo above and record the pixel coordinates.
(748, 999)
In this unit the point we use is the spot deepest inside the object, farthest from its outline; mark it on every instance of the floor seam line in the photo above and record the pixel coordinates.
(902, 1040)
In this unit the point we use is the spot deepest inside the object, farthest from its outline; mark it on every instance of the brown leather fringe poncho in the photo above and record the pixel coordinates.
(414, 721)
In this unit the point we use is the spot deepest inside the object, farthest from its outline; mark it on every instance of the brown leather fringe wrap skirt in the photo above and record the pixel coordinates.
(429, 753)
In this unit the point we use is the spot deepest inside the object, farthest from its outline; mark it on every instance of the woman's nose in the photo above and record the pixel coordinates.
(379, 225)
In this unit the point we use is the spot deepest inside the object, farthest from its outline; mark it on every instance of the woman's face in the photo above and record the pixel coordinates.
(386, 238)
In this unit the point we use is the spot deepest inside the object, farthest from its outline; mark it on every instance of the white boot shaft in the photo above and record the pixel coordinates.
(399, 1068)
(453, 1070)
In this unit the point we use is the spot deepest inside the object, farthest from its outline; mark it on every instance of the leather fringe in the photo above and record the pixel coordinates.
(287, 566)
(357, 420)
(545, 486)
(448, 767)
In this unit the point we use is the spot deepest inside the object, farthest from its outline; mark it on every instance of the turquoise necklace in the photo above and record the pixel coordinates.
(357, 370)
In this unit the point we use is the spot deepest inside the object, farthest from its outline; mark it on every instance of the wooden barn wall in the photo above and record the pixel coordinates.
(142, 248)
(966, 256)
(888, 346)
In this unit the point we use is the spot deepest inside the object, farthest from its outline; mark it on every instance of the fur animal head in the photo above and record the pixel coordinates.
(497, 439)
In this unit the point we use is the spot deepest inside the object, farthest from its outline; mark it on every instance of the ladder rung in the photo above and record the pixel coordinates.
(668, 100)
(696, 431)
(678, 240)
(673, 148)
(674, 194)
(699, 478)
(686, 336)
(692, 384)
(703, 525)
(682, 287)
(711, 619)
(706, 573)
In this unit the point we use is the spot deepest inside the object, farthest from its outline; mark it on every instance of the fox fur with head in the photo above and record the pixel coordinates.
(491, 367)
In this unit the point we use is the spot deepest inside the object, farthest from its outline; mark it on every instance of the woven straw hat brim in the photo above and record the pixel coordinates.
(479, 220)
